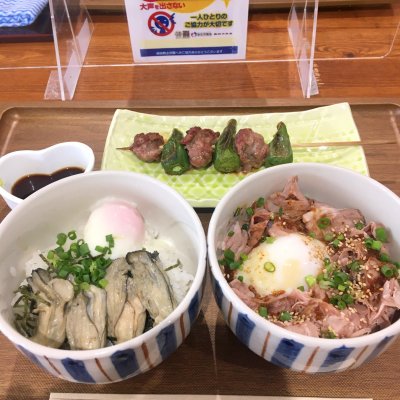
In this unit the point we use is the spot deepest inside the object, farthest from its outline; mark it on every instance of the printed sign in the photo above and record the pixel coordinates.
(187, 30)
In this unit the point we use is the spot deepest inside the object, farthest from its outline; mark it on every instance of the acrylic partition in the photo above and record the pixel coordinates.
(72, 32)
(290, 39)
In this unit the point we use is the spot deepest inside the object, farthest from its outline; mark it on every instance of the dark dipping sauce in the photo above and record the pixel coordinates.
(29, 184)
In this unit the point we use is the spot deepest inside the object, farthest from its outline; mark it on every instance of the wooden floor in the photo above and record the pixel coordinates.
(356, 56)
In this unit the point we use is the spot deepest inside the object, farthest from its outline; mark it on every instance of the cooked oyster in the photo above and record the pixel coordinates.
(151, 284)
(133, 317)
(55, 294)
(86, 320)
(126, 314)
(116, 276)
(97, 311)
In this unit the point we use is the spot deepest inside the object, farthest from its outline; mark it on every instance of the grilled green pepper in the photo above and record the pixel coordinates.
(174, 158)
(280, 149)
(226, 159)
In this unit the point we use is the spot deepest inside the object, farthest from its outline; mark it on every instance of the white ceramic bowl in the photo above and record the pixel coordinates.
(63, 206)
(340, 188)
(18, 164)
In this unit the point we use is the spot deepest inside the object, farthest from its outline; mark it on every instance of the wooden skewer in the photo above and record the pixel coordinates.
(342, 144)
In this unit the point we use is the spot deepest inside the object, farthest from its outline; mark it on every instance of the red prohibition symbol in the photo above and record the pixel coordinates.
(161, 23)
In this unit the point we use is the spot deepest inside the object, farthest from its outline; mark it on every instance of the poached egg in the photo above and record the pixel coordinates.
(120, 219)
(283, 264)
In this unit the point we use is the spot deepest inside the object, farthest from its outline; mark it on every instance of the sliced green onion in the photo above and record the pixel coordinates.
(102, 283)
(280, 212)
(387, 271)
(99, 249)
(244, 257)
(285, 316)
(347, 298)
(240, 278)
(110, 241)
(235, 265)
(323, 222)
(71, 235)
(260, 202)
(341, 305)
(336, 243)
(340, 236)
(381, 234)
(310, 280)
(231, 233)
(249, 211)
(50, 254)
(63, 273)
(63, 255)
(61, 239)
(368, 242)
(301, 288)
(84, 286)
(263, 311)
(269, 267)
(229, 255)
(354, 266)
(359, 225)
(270, 239)
(245, 227)
(384, 257)
(84, 249)
(341, 287)
(327, 261)
(312, 234)
(328, 237)
(324, 284)
(376, 245)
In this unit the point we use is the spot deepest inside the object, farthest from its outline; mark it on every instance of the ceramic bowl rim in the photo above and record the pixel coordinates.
(265, 325)
(14, 336)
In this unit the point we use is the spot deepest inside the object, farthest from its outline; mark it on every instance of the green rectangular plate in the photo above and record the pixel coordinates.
(204, 188)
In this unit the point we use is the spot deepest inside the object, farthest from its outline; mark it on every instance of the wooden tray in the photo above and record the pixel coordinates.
(211, 361)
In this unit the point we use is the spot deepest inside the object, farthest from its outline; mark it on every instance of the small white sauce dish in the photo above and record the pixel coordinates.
(16, 165)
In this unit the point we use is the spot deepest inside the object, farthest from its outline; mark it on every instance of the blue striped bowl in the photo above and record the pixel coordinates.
(332, 185)
(58, 208)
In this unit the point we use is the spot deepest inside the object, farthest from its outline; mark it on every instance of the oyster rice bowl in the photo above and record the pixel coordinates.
(102, 275)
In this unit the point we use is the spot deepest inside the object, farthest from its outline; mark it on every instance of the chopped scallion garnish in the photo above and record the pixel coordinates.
(260, 202)
(323, 222)
(263, 311)
(359, 225)
(269, 266)
(381, 234)
(310, 280)
(61, 239)
(249, 211)
(285, 316)
(387, 271)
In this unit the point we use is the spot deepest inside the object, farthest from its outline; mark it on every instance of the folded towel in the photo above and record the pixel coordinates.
(20, 12)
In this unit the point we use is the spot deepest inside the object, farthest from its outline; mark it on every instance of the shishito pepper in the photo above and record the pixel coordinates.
(174, 158)
(280, 149)
(226, 158)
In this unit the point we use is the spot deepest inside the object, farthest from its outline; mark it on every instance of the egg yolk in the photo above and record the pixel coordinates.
(283, 264)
